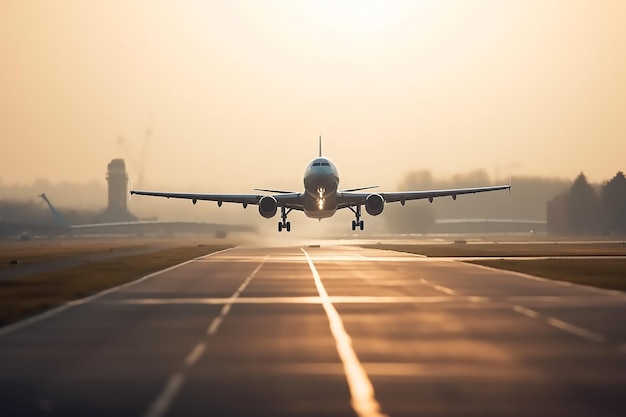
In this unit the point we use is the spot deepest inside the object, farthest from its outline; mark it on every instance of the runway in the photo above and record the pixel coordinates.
(328, 331)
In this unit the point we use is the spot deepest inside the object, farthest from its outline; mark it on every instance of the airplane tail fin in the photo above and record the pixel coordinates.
(320, 145)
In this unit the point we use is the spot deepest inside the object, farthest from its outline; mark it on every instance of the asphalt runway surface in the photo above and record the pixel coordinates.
(329, 331)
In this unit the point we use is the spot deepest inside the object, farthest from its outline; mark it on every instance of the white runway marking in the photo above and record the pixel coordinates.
(578, 331)
(216, 323)
(560, 324)
(361, 390)
(525, 311)
(160, 406)
(195, 354)
(166, 397)
(445, 290)
(437, 287)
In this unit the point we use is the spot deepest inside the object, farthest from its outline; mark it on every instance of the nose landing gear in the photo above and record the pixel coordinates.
(358, 223)
(284, 224)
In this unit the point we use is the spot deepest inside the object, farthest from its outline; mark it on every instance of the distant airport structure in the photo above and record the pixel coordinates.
(117, 179)
(116, 219)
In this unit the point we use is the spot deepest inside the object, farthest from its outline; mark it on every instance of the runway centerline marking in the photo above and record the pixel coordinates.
(363, 400)
(166, 397)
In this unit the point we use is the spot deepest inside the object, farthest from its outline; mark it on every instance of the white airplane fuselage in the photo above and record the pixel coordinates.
(321, 181)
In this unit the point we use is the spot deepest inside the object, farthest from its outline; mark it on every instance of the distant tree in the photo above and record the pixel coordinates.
(614, 203)
(416, 216)
(30, 211)
(583, 207)
(416, 180)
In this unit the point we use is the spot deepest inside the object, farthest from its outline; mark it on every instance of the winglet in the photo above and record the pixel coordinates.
(320, 145)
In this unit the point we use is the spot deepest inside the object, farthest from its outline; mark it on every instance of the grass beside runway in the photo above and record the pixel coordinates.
(21, 297)
(42, 251)
(602, 273)
(508, 249)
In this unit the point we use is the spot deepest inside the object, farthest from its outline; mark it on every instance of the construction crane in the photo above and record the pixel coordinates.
(58, 217)
(137, 160)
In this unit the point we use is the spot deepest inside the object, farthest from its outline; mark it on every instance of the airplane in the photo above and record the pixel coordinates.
(321, 197)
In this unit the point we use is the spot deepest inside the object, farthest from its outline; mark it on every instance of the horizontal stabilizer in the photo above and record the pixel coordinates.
(275, 191)
(359, 189)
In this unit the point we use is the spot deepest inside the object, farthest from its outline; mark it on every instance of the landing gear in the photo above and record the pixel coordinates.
(358, 223)
(284, 224)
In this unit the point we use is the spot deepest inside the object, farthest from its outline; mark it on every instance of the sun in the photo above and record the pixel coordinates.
(355, 15)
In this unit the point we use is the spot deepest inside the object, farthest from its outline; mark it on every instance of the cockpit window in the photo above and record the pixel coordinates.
(321, 164)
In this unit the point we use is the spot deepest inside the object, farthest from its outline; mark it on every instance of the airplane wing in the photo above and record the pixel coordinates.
(348, 199)
(289, 200)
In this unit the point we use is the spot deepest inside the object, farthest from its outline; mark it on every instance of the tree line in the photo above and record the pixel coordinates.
(527, 200)
(585, 209)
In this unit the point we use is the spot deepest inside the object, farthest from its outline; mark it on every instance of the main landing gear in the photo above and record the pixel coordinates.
(358, 223)
(284, 224)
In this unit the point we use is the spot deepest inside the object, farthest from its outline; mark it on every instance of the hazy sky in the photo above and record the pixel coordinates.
(237, 92)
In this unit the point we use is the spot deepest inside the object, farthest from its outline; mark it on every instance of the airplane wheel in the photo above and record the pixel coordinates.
(280, 227)
(361, 224)
(353, 225)
(288, 226)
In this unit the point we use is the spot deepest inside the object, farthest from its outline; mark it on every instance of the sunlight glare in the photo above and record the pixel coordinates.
(355, 16)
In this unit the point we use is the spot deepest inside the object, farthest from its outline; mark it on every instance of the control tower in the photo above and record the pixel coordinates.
(117, 211)
(118, 180)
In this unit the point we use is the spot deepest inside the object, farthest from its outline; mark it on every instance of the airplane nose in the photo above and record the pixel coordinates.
(320, 186)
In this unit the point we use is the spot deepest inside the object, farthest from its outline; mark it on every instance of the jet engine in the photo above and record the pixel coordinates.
(374, 204)
(268, 206)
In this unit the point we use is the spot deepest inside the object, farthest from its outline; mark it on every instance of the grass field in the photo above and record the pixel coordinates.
(609, 273)
(601, 273)
(44, 251)
(508, 249)
(24, 296)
